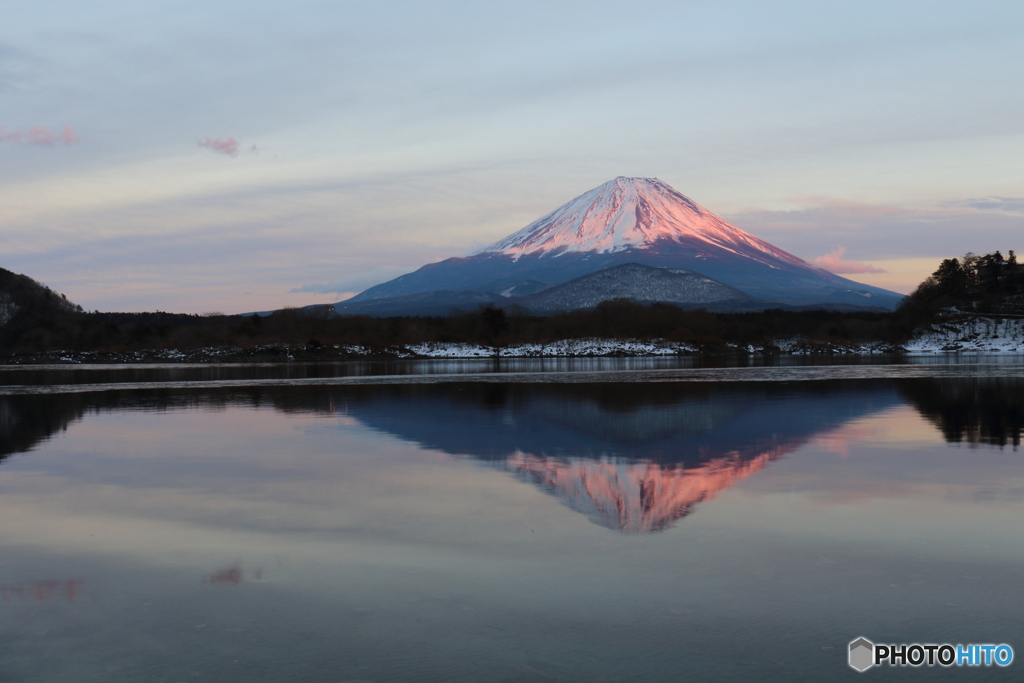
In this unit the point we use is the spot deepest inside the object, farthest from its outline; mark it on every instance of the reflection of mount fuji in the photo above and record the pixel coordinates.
(635, 497)
(632, 457)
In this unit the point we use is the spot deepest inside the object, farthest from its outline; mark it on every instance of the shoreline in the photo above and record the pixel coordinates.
(574, 348)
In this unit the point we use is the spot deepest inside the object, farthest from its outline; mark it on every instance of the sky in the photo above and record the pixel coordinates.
(236, 156)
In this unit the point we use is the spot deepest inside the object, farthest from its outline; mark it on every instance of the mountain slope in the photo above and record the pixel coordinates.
(635, 281)
(644, 284)
(639, 220)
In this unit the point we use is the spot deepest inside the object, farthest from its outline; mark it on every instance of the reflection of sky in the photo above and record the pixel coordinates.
(391, 134)
(307, 538)
(226, 471)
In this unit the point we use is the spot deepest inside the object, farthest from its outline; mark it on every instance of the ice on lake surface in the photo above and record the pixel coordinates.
(615, 520)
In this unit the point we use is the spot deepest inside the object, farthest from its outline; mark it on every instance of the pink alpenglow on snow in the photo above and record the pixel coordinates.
(833, 262)
(40, 137)
(632, 213)
(227, 146)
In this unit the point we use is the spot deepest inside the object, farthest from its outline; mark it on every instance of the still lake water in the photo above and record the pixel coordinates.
(590, 520)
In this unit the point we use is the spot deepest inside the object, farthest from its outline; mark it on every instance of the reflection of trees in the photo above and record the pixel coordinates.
(25, 421)
(986, 410)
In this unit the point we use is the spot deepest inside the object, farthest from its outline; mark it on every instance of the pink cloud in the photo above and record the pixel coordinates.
(40, 137)
(833, 262)
(227, 146)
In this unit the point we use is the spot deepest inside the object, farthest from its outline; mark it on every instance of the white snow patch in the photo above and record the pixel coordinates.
(565, 348)
(633, 213)
(995, 334)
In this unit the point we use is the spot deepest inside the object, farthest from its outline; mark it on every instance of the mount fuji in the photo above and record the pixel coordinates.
(626, 220)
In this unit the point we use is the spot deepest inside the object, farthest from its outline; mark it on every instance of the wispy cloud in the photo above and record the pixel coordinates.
(834, 263)
(889, 232)
(40, 137)
(351, 286)
(321, 288)
(227, 146)
(1009, 204)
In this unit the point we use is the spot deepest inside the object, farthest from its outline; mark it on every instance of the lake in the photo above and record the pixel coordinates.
(536, 520)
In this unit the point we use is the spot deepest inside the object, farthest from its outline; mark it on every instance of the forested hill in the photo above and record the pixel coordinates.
(22, 299)
(992, 284)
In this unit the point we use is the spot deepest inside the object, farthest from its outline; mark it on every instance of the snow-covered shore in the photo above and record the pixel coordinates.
(575, 348)
(976, 334)
(566, 348)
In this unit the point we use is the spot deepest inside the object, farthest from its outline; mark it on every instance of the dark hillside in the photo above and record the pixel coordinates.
(25, 304)
(21, 295)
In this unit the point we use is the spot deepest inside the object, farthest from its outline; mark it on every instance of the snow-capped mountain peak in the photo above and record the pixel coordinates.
(634, 213)
(626, 220)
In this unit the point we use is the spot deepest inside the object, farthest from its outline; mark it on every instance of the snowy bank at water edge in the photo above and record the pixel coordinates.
(566, 348)
(977, 333)
(571, 348)
(559, 349)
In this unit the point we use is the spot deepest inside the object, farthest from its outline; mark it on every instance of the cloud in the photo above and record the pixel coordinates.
(321, 288)
(350, 286)
(227, 146)
(887, 232)
(834, 263)
(40, 137)
(1009, 204)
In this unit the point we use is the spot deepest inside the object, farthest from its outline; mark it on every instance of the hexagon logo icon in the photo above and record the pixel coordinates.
(862, 654)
